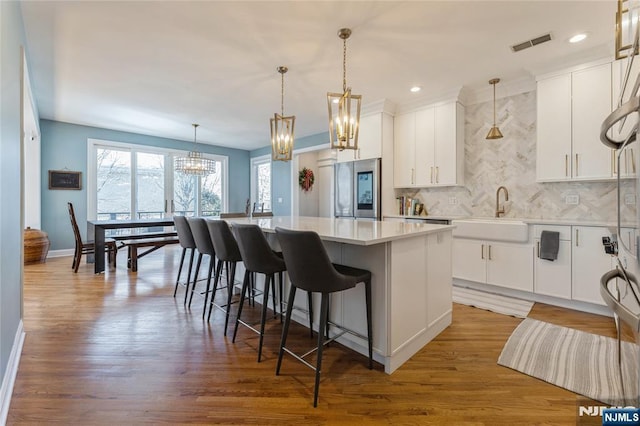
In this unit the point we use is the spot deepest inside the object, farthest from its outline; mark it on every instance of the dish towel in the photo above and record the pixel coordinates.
(549, 245)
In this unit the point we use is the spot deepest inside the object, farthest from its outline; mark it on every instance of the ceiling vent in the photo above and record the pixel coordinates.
(530, 43)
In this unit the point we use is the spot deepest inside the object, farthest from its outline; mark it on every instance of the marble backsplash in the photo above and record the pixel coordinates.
(511, 161)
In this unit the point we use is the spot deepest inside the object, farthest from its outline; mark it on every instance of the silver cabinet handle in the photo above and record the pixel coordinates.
(165, 206)
(633, 162)
(482, 251)
(413, 174)
(566, 165)
(538, 249)
(577, 238)
(576, 173)
(437, 174)
(489, 251)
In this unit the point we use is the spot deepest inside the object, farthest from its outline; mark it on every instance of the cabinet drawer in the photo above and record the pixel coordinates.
(564, 230)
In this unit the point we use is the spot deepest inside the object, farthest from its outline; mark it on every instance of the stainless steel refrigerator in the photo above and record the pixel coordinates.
(357, 189)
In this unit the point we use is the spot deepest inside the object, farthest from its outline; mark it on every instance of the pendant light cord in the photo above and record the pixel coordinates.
(344, 65)
(282, 94)
(494, 104)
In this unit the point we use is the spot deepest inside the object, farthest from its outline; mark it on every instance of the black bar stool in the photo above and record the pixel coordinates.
(185, 238)
(205, 247)
(257, 257)
(228, 254)
(318, 276)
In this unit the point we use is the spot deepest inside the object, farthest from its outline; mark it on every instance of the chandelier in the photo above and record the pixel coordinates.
(344, 108)
(194, 163)
(495, 132)
(282, 128)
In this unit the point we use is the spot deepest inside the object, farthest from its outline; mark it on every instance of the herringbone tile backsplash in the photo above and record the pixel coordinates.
(511, 161)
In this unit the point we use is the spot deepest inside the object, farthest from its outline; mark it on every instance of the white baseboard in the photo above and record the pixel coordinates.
(10, 374)
(60, 253)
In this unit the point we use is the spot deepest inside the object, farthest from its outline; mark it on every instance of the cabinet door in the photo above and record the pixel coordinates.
(404, 135)
(553, 278)
(510, 265)
(469, 260)
(589, 263)
(553, 147)
(445, 146)
(438, 301)
(346, 155)
(591, 103)
(627, 166)
(426, 172)
(370, 137)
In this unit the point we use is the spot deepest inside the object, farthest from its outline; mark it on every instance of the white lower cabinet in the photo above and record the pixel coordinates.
(501, 264)
(553, 277)
(589, 262)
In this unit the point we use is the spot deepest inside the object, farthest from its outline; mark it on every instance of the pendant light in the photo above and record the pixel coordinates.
(344, 108)
(282, 128)
(494, 133)
(194, 163)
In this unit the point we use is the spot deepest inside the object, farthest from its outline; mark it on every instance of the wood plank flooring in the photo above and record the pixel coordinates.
(117, 348)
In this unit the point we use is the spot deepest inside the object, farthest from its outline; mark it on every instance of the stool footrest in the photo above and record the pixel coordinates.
(346, 330)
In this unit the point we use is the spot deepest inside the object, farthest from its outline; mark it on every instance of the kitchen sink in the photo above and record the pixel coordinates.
(496, 229)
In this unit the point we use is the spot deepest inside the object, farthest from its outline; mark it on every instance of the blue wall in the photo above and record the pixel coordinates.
(281, 172)
(11, 40)
(64, 145)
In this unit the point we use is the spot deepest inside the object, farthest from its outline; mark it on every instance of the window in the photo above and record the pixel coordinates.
(131, 181)
(261, 183)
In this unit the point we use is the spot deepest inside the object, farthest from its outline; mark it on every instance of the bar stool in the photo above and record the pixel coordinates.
(228, 253)
(318, 276)
(185, 238)
(257, 257)
(205, 247)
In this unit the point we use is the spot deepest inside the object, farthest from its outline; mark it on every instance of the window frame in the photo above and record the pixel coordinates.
(255, 162)
(92, 184)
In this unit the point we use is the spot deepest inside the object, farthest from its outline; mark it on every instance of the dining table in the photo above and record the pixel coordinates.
(97, 228)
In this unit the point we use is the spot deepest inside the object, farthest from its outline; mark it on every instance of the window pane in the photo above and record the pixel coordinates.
(211, 203)
(264, 185)
(150, 185)
(114, 184)
(184, 194)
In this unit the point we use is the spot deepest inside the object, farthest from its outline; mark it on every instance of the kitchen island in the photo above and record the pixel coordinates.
(411, 284)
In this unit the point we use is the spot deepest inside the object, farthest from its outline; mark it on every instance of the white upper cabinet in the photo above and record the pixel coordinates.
(404, 134)
(429, 147)
(369, 140)
(571, 107)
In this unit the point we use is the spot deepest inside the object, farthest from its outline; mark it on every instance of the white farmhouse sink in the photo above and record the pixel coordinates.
(492, 229)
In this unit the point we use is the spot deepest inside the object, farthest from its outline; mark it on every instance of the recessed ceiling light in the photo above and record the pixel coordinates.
(415, 89)
(577, 38)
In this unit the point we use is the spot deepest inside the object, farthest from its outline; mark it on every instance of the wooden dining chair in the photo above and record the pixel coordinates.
(88, 247)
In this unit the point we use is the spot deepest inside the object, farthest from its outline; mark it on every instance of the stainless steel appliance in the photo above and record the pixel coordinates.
(619, 287)
(357, 189)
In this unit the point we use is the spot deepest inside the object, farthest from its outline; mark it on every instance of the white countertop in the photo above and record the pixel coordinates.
(358, 232)
(434, 217)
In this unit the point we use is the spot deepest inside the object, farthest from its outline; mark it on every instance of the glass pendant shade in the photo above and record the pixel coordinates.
(282, 129)
(494, 132)
(194, 163)
(344, 108)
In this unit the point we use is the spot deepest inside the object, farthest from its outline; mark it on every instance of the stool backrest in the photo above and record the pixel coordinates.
(185, 237)
(224, 243)
(262, 214)
(308, 263)
(201, 235)
(256, 252)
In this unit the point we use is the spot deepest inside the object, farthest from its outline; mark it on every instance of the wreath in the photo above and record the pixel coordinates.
(306, 179)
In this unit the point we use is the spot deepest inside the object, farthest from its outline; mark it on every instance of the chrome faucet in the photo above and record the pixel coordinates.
(500, 211)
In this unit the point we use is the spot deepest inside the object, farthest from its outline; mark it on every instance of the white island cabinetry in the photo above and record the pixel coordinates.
(411, 280)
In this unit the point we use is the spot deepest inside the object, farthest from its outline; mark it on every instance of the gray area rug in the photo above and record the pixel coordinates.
(492, 302)
(581, 362)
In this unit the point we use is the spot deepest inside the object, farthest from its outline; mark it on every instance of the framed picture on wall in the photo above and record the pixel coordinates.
(65, 179)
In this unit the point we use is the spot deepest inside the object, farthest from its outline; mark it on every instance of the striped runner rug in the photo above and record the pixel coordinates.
(581, 362)
(492, 302)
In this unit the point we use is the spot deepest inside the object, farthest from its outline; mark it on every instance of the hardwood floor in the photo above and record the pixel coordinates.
(117, 348)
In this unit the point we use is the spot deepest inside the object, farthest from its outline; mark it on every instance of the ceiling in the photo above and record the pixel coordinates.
(156, 67)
